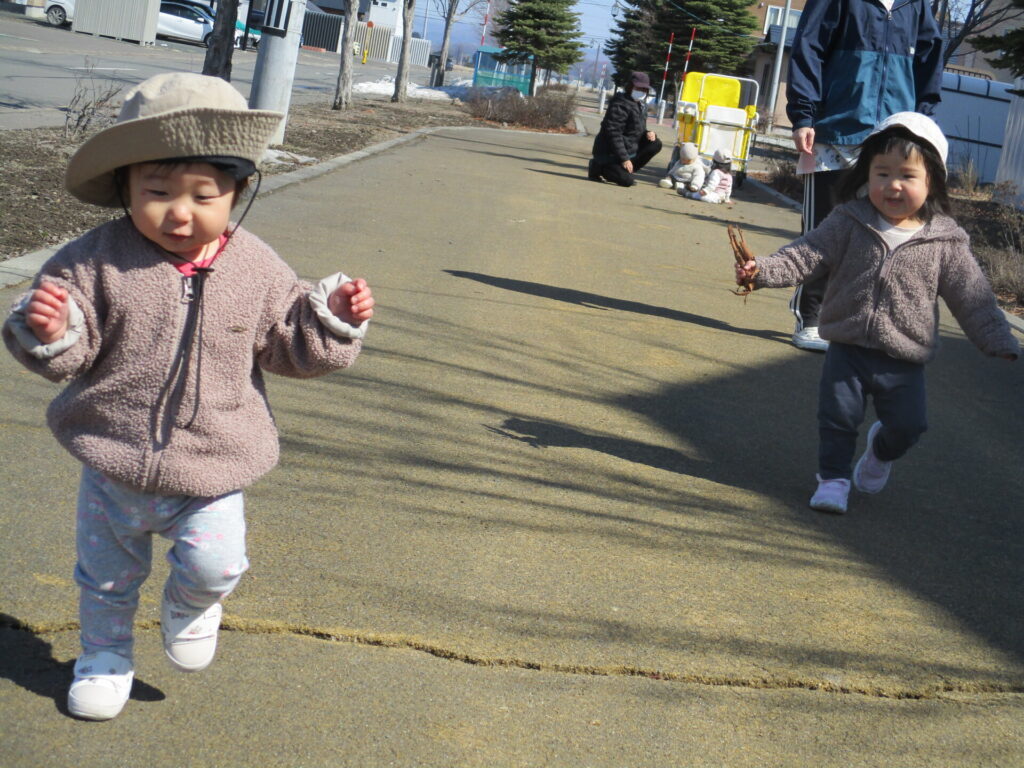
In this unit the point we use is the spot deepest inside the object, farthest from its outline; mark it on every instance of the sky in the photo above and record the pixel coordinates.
(595, 23)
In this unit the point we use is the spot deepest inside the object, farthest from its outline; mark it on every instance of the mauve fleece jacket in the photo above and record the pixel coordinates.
(889, 301)
(117, 416)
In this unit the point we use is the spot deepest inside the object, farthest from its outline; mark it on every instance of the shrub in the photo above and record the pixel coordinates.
(548, 110)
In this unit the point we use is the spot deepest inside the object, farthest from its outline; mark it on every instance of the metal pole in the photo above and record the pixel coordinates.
(777, 71)
(275, 68)
(487, 18)
(597, 58)
(664, 77)
(689, 50)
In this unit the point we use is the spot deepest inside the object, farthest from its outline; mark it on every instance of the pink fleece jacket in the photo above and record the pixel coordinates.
(121, 413)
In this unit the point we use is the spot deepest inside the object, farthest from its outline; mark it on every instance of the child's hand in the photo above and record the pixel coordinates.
(745, 272)
(47, 313)
(352, 302)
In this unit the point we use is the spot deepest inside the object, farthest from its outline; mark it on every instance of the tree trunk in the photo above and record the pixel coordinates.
(343, 90)
(533, 76)
(446, 41)
(222, 42)
(402, 76)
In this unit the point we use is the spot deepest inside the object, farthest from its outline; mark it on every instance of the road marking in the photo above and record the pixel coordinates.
(15, 37)
(102, 69)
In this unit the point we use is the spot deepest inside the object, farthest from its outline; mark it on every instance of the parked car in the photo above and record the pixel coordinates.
(193, 22)
(183, 21)
(243, 9)
(60, 12)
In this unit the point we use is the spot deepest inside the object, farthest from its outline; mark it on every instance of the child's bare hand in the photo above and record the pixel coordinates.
(352, 302)
(745, 272)
(47, 313)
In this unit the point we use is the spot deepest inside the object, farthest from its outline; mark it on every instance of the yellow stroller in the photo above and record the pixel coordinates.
(717, 112)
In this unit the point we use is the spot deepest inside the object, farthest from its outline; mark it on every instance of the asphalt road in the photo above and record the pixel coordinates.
(42, 66)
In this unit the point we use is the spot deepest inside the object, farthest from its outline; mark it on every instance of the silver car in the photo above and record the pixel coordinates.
(184, 22)
(59, 12)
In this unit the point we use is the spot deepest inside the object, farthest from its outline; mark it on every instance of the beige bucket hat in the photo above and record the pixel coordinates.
(176, 114)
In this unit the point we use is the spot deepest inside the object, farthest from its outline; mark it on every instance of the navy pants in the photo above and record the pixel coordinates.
(613, 170)
(849, 376)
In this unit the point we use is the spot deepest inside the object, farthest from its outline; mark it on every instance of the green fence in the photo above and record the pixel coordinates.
(486, 78)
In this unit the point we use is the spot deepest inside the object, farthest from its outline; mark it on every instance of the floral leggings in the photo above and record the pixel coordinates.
(115, 548)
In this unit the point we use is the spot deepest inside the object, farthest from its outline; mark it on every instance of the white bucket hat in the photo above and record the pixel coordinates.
(169, 116)
(921, 126)
(721, 156)
(688, 151)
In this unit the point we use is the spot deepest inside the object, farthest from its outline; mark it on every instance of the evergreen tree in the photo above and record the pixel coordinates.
(1009, 46)
(543, 32)
(722, 44)
(632, 46)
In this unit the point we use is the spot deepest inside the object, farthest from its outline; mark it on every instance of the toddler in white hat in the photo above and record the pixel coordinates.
(718, 184)
(161, 324)
(891, 250)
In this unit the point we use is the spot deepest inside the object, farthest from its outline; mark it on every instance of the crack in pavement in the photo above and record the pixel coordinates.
(404, 642)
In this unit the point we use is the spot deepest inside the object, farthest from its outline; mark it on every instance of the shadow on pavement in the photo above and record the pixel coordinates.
(597, 301)
(27, 660)
(950, 527)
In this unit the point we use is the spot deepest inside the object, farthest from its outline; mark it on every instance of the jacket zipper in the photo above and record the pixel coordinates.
(158, 421)
(885, 268)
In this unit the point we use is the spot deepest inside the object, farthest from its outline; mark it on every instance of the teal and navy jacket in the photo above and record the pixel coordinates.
(854, 63)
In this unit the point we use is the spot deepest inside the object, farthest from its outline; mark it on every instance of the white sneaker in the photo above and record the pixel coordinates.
(808, 338)
(831, 495)
(101, 686)
(190, 635)
(871, 473)
(666, 183)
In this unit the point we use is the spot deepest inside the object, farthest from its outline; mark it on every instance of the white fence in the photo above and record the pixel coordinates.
(378, 43)
(973, 115)
(1011, 164)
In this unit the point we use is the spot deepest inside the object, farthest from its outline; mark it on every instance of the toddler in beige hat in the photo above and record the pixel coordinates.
(161, 323)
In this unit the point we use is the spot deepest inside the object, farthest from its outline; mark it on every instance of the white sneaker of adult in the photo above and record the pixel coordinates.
(871, 473)
(808, 338)
(102, 684)
(831, 495)
(190, 634)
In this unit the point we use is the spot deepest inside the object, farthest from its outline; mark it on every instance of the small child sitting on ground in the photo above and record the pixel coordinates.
(687, 173)
(718, 185)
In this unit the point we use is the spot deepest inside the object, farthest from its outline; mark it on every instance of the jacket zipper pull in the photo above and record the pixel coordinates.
(186, 290)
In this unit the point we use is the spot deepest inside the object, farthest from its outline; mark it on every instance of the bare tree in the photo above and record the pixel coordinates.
(343, 90)
(222, 41)
(961, 19)
(402, 76)
(451, 11)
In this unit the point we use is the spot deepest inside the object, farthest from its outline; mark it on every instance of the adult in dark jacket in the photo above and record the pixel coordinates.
(853, 63)
(624, 145)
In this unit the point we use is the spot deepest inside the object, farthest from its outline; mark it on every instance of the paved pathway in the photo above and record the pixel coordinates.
(556, 514)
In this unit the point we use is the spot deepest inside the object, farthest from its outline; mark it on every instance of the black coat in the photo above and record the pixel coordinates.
(624, 123)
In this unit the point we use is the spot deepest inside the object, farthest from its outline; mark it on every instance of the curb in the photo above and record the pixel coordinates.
(760, 185)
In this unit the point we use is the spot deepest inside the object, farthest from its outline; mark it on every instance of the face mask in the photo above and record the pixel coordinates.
(639, 95)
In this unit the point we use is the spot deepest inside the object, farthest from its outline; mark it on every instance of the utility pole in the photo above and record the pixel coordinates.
(276, 58)
(777, 71)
